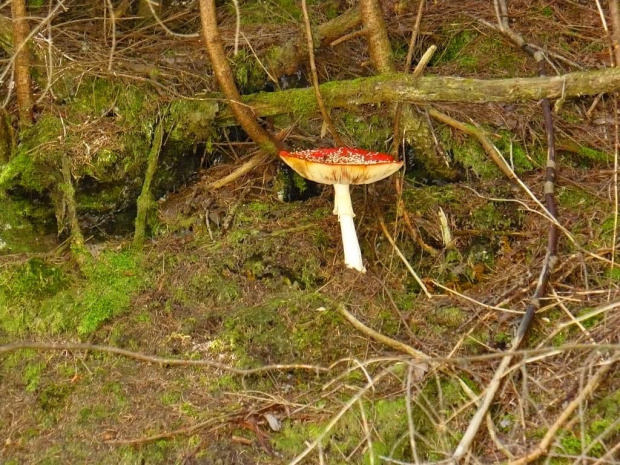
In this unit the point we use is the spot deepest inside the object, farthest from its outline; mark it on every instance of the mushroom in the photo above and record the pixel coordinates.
(342, 166)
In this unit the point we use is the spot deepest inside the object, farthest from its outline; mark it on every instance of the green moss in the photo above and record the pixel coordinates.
(103, 292)
(593, 155)
(450, 317)
(261, 12)
(495, 217)
(281, 329)
(516, 154)
(35, 279)
(53, 396)
(32, 167)
(470, 51)
(368, 132)
(300, 102)
(193, 120)
(214, 285)
(472, 156)
(32, 375)
(430, 198)
(249, 75)
(94, 413)
(455, 46)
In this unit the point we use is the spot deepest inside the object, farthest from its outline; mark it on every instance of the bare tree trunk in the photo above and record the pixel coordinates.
(23, 83)
(243, 114)
(376, 33)
(614, 13)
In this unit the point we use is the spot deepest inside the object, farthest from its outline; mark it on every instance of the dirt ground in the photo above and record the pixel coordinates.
(248, 342)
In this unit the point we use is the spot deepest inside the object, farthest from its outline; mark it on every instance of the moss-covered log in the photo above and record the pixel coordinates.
(405, 88)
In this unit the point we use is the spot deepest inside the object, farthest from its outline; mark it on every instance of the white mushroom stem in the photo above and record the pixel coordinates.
(344, 209)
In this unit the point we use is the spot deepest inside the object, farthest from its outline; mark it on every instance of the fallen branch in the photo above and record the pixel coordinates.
(5, 349)
(388, 341)
(399, 87)
(538, 353)
(487, 145)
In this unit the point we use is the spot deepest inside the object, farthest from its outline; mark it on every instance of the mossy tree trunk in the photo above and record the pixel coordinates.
(68, 211)
(146, 201)
(23, 83)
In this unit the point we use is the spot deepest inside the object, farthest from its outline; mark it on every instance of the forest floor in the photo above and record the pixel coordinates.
(243, 280)
(267, 292)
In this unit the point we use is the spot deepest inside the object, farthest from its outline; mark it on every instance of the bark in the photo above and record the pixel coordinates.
(69, 213)
(614, 13)
(6, 138)
(224, 76)
(376, 33)
(23, 83)
(405, 88)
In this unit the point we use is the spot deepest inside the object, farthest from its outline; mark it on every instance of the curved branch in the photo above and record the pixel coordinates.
(243, 114)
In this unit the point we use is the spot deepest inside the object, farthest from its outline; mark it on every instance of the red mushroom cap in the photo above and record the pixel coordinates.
(341, 165)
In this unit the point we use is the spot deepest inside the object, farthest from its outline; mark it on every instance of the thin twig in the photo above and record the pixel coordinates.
(112, 14)
(388, 341)
(419, 68)
(550, 256)
(410, 423)
(604, 23)
(414, 36)
(339, 415)
(614, 13)
(237, 26)
(401, 256)
(584, 393)
(410, 51)
(5, 349)
(530, 353)
(315, 77)
(487, 145)
(349, 36)
(248, 166)
(170, 434)
(159, 21)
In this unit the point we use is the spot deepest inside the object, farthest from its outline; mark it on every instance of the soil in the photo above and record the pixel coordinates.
(250, 275)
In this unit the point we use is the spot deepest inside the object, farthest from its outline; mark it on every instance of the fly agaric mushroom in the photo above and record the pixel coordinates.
(343, 166)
